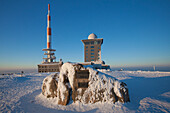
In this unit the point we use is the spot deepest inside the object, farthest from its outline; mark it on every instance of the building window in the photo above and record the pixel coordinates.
(92, 56)
(86, 56)
(98, 58)
(92, 59)
(98, 47)
(86, 43)
(92, 42)
(92, 53)
(86, 50)
(92, 46)
(86, 46)
(98, 54)
(92, 49)
(86, 53)
(98, 42)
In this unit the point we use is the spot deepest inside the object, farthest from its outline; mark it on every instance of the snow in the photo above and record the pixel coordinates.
(99, 81)
(12, 88)
(167, 94)
(54, 63)
(116, 88)
(66, 68)
(149, 104)
(47, 81)
(100, 85)
(149, 92)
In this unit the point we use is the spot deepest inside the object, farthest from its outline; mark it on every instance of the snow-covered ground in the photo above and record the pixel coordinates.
(149, 92)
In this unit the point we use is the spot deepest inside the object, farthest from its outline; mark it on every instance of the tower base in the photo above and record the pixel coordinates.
(49, 67)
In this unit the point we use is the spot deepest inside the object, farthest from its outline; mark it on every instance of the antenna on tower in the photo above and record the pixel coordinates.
(49, 63)
(49, 51)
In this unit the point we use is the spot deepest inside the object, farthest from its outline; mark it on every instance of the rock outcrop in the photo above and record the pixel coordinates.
(50, 85)
(86, 84)
(102, 88)
(50, 89)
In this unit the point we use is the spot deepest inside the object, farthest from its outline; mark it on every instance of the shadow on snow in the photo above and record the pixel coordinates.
(140, 88)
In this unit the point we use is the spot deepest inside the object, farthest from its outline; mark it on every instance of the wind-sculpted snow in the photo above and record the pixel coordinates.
(13, 87)
(149, 104)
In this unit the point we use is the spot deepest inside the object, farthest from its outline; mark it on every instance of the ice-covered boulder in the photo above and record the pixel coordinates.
(52, 89)
(87, 85)
(50, 85)
(103, 88)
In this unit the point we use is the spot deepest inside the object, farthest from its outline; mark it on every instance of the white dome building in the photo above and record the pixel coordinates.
(92, 48)
(92, 36)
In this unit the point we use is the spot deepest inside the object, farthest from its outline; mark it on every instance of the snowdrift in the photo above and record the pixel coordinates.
(86, 85)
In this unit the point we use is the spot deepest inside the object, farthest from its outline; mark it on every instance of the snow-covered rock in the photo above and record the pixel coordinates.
(101, 87)
(53, 88)
(50, 85)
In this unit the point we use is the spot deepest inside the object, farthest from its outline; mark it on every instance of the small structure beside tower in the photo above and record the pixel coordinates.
(49, 63)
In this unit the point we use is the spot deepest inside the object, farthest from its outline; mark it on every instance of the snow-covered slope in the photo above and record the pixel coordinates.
(149, 92)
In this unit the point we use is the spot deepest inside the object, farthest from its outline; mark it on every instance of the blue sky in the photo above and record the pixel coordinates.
(135, 32)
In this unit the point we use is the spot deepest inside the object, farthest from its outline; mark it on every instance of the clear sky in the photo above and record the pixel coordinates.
(135, 32)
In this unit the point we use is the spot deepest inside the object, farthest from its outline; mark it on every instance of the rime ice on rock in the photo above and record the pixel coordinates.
(50, 85)
(87, 86)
